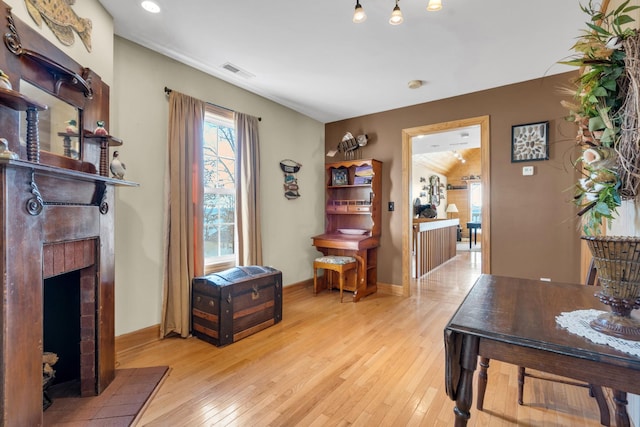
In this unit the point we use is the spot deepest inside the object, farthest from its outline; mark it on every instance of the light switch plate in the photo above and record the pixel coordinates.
(527, 170)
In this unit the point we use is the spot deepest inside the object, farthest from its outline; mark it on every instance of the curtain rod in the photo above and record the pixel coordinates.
(167, 91)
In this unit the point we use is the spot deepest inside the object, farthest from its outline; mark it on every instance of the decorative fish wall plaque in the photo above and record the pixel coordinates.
(61, 19)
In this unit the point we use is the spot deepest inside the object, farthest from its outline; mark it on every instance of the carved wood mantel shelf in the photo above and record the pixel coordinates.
(95, 185)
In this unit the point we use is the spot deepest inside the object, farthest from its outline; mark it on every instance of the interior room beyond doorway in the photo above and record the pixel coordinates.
(430, 177)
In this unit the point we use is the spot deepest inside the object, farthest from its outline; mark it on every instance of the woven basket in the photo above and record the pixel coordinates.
(617, 260)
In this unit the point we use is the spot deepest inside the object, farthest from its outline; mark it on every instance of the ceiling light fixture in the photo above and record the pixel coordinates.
(458, 156)
(150, 6)
(415, 84)
(434, 5)
(359, 15)
(396, 16)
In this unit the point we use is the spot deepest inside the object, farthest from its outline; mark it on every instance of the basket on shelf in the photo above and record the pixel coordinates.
(617, 261)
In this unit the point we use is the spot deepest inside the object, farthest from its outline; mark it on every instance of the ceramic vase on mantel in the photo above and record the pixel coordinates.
(617, 261)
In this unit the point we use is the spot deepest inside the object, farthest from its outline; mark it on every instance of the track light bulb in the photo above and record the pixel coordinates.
(396, 15)
(434, 5)
(359, 15)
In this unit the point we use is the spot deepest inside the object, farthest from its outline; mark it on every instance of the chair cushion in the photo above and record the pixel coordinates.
(335, 259)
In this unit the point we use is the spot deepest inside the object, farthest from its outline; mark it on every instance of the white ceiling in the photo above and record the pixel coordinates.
(459, 139)
(310, 57)
(434, 151)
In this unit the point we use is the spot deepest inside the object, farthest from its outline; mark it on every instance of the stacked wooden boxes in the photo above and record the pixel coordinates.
(235, 303)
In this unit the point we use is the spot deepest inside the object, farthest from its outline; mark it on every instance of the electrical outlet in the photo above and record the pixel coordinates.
(392, 206)
(527, 170)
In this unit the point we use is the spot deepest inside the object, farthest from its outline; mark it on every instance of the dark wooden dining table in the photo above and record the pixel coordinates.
(473, 228)
(513, 320)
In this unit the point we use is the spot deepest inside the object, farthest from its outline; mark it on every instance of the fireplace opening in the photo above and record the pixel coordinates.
(70, 289)
(62, 331)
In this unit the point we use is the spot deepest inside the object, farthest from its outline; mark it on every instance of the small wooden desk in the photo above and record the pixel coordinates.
(513, 320)
(473, 229)
(362, 245)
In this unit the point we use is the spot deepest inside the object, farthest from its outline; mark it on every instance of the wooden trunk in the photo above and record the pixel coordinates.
(235, 303)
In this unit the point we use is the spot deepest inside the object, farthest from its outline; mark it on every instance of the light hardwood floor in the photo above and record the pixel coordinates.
(377, 362)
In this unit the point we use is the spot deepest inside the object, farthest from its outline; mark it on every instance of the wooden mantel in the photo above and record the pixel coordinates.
(56, 223)
(43, 206)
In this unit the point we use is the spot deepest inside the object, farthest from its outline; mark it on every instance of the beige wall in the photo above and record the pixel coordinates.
(139, 117)
(534, 230)
(139, 110)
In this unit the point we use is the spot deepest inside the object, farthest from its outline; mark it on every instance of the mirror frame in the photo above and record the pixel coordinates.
(29, 56)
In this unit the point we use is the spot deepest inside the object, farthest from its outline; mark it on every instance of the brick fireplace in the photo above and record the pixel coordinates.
(57, 218)
(70, 237)
(73, 263)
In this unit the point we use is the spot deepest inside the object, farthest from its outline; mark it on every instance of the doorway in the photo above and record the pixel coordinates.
(407, 211)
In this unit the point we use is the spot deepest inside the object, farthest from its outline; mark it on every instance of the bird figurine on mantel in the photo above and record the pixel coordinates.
(117, 167)
(100, 130)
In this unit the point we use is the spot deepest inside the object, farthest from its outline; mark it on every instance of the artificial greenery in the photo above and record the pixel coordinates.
(599, 96)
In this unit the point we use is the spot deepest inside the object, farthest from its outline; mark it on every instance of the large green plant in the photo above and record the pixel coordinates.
(599, 94)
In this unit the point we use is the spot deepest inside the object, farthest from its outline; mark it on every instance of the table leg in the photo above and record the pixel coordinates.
(482, 382)
(470, 233)
(468, 361)
(521, 371)
(596, 392)
(620, 400)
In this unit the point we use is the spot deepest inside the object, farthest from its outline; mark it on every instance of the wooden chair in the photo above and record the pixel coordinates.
(342, 265)
(594, 390)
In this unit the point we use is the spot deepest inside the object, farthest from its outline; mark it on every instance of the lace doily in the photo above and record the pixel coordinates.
(577, 322)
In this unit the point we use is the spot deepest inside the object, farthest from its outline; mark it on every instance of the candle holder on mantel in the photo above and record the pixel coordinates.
(617, 261)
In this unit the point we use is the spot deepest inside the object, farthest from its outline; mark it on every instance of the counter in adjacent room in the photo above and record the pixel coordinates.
(434, 242)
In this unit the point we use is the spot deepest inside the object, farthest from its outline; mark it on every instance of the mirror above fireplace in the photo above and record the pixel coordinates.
(54, 123)
(44, 75)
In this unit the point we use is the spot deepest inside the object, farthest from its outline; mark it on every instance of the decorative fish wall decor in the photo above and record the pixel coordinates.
(61, 19)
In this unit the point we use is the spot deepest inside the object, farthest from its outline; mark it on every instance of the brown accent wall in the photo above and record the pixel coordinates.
(534, 230)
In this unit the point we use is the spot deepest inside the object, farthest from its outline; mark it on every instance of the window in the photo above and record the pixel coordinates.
(219, 203)
(475, 201)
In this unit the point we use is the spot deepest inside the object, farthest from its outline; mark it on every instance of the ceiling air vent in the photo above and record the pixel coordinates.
(237, 70)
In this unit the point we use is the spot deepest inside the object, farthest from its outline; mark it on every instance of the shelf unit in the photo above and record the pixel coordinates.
(353, 207)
